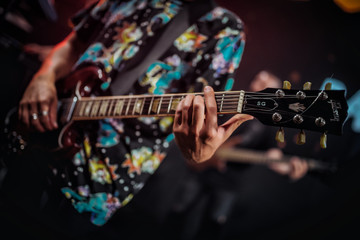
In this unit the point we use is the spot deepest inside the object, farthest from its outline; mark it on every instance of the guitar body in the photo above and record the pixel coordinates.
(65, 140)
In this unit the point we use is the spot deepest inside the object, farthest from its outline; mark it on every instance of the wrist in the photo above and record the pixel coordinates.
(45, 75)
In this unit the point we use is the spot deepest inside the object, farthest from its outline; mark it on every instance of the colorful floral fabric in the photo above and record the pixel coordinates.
(114, 164)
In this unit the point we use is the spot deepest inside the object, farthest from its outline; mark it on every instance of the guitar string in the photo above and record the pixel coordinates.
(168, 100)
(225, 98)
(165, 105)
(225, 108)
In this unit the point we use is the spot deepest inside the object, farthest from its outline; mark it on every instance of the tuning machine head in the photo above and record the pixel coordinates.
(301, 138)
(323, 139)
(328, 86)
(280, 135)
(307, 86)
(286, 85)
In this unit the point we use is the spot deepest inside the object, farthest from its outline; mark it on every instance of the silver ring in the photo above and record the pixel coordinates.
(44, 113)
(34, 116)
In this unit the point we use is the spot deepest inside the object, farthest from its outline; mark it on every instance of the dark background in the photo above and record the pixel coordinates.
(298, 41)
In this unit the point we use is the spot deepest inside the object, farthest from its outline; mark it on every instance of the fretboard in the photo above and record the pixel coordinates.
(134, 106)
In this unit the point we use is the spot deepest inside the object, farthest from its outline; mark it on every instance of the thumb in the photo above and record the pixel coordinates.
(233, 123)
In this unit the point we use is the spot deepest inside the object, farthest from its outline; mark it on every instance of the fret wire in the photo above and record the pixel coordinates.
(128, 106)
(151, 103)
(133, 111)
(114, 107)
(222, 102)
(169, 105)
(109, 107)
(103, 104)
(88, 108)
(159, 105)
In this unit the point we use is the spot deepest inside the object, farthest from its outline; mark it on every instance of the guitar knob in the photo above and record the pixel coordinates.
(323, 140)
(280, 135)
(301, 138)
(287, 85)
(276, 117)
(300, 95)
(328, 86)
(307, 86)
(320, 122)
(298, 119)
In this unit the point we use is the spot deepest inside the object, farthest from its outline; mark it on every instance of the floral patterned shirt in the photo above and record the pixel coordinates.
(115, 163)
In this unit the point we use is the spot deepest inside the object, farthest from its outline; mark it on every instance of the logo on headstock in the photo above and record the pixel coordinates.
(297, 107)
(335, 106)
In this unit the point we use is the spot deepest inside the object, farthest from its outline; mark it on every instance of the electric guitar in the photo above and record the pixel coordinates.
(246, 156)
(81, 99)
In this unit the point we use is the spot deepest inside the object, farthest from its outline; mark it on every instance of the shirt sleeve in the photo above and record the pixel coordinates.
(88, 22)
(223, 54)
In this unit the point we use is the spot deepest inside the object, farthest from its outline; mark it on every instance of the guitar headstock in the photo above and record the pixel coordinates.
(322, 111)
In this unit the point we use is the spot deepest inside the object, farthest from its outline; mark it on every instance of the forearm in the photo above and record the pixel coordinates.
(40, 96)
(62, 58)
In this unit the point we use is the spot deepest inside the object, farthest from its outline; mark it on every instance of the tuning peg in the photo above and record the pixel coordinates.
(301, 138)
(323, 140)
(307, 86)
(280, 135)
(287, 85)
(328, 86)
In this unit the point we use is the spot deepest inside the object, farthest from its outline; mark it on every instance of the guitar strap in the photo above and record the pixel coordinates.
(125, 80)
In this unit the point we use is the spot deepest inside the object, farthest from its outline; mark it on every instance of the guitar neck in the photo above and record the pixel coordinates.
(134, 106)
(258, 157)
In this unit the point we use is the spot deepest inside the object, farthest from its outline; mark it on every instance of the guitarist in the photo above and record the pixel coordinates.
(118, 156)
